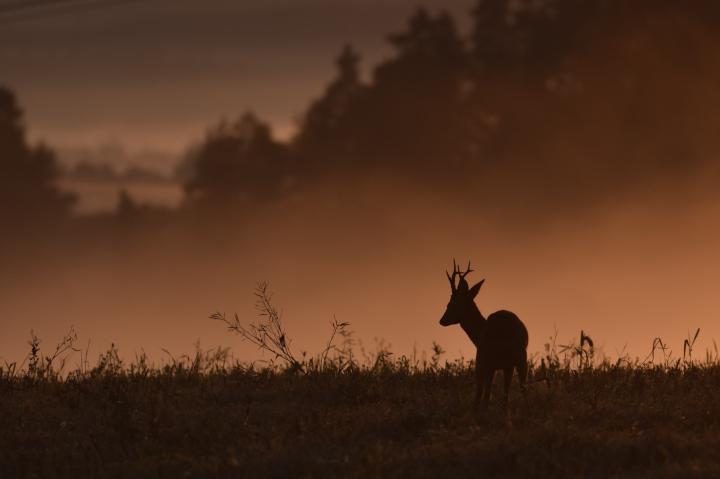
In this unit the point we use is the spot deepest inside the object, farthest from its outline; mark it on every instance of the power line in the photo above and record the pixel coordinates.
(21, 6)
(31, 10)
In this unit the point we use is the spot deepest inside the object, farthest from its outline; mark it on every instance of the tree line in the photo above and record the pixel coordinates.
(554, 98)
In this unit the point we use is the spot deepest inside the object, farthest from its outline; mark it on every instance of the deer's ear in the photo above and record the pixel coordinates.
(476, 289)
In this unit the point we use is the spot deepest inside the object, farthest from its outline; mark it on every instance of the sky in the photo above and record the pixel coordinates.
(154, 74)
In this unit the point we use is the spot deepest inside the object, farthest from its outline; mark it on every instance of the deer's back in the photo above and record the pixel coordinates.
(504, 333)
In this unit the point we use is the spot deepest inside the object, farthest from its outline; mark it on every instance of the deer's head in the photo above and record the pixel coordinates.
(462, 305)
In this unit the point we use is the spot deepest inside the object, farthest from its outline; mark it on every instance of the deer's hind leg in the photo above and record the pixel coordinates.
(487, 379)
(522, 369)
(507, 377)
(484, 376)
(479, 379)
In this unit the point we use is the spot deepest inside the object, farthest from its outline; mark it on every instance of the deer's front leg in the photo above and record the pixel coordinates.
(480, 380)
(507, 377)
(489, 374)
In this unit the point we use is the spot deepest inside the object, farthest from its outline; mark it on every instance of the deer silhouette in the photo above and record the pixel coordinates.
(501, 339)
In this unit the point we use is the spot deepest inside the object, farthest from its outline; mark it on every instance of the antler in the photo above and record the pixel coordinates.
(452, 278)
(457, 272)
(467, 271)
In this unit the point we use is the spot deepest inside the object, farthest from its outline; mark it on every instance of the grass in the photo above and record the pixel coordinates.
(205, 416)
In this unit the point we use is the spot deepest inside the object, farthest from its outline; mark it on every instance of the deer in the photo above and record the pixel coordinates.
(501, 339)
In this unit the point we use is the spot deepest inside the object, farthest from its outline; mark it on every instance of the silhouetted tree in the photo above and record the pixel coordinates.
(126, 205)
(410, 118)
(420, 123)
(325, 116)
(526, 103)
(27, 173)
(495, 42)
(326, 140)
(600, 96)
(239, 160)
(530, 35)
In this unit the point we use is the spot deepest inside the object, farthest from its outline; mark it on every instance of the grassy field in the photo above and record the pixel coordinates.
(392, 418)
(336, 415)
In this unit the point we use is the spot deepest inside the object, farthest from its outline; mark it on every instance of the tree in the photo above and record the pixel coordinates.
(528, 35)
(326, 136)
(239, 160)
(27, 173)
(410, 118)
(414, 117)
(325, 116)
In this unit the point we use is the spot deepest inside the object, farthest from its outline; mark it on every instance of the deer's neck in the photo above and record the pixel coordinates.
(473, 325)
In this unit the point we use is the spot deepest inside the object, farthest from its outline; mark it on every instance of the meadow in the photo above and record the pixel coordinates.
(345, 414)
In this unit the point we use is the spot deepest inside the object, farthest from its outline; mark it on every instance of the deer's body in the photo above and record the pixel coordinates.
(501, 339)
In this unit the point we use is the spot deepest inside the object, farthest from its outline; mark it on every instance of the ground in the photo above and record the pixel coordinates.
(390, 420)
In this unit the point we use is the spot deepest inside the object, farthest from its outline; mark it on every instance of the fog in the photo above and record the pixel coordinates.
(634, 268)
(102, 196)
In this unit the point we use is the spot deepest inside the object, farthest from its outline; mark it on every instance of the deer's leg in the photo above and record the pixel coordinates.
(479, 378)
(507, 377)
(522, 369)
(488, 376)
